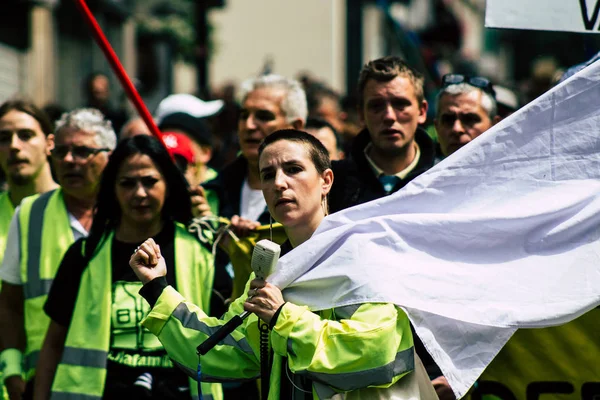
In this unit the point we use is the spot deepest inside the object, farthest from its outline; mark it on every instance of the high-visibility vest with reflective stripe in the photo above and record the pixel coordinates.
(81, 373)
(369, 345)
(45, 237)
(6, 212)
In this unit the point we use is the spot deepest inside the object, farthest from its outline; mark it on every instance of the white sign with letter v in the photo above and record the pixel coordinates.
(546, 15)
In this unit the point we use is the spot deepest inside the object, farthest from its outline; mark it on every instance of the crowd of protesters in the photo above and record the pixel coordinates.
(84, 188)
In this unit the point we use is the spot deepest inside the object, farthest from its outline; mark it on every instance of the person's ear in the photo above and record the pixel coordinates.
(298, 124)
(327, 177)
(423, 112)
(49, 143)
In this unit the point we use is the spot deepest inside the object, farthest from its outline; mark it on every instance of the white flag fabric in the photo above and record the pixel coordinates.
(501, 235)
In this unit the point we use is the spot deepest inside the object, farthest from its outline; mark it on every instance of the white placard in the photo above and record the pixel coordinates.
(547, 15)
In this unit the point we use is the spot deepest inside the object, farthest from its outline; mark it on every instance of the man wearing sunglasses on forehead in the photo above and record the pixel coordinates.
(42, 229)
(465, 108)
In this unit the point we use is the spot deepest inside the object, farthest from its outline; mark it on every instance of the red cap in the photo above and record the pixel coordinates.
(180, 144)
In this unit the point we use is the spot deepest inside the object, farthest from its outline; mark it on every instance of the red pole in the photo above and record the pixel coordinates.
(118, 69)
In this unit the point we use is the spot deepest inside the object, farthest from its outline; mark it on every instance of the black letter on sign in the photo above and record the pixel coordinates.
(494, 388)
(536, 389)
(589, 23)
(590, 391)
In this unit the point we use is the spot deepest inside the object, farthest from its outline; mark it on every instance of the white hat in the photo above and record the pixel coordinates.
(506, 97)
(188, 104)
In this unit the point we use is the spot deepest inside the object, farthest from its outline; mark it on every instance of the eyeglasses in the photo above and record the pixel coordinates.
(81, 153)
(477, 81)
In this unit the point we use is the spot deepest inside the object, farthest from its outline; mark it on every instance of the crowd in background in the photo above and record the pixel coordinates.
(212, 145)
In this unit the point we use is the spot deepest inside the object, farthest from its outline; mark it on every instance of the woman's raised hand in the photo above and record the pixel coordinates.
(147, 262)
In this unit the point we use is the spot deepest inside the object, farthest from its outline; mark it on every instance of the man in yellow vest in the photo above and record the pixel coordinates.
(25, 142)
(41, 230)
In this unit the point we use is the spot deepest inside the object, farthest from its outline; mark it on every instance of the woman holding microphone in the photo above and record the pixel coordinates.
(364, 351)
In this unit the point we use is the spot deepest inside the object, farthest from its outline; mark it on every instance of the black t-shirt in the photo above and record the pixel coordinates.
(63, 295)
(65, 287)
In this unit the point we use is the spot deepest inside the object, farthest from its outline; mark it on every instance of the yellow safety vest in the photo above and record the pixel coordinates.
(6, 212)
(45, 237)
(558, 363)
(352, 349)
(81, 373)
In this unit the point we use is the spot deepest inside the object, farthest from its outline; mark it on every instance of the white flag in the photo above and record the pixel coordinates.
(501, 235)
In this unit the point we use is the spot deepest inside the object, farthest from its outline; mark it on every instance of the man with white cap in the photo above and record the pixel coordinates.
(187, 114)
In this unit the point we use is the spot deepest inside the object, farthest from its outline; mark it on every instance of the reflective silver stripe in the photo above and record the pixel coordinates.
(404, 362)
(190, 321)
(31, 360)
(35, 286)
(40, 288)
(84, 357)
(73, 396)
(346, 312)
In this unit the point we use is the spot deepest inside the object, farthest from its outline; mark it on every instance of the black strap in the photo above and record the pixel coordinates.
(265, 362)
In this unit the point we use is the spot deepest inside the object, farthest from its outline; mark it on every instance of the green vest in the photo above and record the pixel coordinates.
(45, 237)
(81, 373)
(6, 212)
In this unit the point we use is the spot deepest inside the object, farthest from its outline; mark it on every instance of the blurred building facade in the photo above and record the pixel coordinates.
(187, 46)
(49, 51)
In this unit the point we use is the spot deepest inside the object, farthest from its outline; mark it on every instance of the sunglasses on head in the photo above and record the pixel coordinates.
(476, 81)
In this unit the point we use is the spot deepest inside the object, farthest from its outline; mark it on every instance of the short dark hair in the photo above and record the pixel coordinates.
(320, 123)
(27, 107)
(318, 153)
(177, 206)
(316, 92)
(384, 70)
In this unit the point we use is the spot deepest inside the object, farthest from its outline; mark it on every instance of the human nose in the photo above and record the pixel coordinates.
(68, 157)
(15, 143)
(280, 181)
(250, 122)
(457, 126)
(389, 112)
(140, 190)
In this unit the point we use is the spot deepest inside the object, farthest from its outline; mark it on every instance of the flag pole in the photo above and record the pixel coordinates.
(118, 69)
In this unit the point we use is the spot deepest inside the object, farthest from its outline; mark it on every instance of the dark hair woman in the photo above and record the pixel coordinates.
(363, 350)
(96, 345)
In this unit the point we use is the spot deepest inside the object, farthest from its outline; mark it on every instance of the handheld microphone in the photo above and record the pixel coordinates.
(264, 260)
